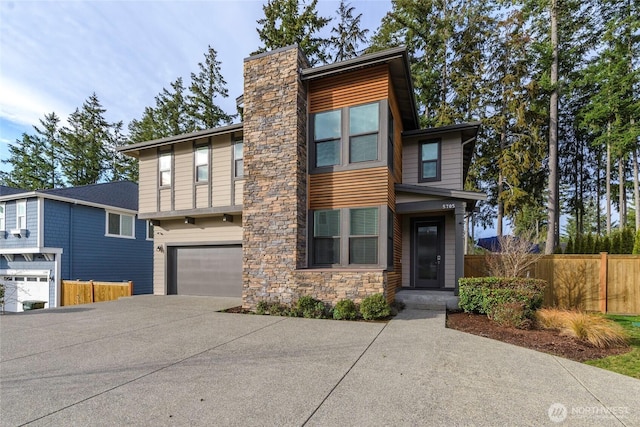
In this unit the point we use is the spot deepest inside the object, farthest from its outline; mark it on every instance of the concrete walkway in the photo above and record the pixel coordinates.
(176, 361)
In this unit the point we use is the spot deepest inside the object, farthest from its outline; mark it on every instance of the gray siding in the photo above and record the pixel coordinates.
(451, 162)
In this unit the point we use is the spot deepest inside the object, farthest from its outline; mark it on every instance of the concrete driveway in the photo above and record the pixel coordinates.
(176, 361)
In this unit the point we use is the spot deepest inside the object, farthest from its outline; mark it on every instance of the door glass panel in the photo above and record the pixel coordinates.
(427, 252)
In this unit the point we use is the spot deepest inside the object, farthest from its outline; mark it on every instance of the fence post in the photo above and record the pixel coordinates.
(130, 288)
(603, 282)
(92, 292)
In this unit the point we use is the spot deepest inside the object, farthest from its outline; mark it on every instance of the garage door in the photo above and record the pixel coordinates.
(24, 285)
(205, 270)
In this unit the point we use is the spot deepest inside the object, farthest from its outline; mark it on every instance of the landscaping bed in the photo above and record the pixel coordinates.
(545, 340)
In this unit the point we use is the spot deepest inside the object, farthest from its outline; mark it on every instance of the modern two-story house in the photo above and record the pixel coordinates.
(327, 188)
(88, 233)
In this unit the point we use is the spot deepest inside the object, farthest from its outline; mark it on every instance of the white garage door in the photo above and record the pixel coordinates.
(205, 270)
(24, 285)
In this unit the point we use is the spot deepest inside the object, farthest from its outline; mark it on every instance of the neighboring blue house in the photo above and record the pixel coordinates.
(87, 233)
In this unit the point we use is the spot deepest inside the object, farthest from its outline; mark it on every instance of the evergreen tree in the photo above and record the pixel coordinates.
(34, 158)
(205, 87)
(347, 36)
(172, 114)
(288, 22)
(83, 157)
(119, 166)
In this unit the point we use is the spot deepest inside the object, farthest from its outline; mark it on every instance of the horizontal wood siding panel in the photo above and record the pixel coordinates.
(239, 189)
(148, 181)
(202, 196)
(361, 187)
(354, 88)
(397, 135)
(221, 172)
(410, 163)
(165, 199)
(183, 176)
(451, 172)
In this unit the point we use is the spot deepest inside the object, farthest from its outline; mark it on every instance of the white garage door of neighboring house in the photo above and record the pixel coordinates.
(24, 285)
(205, 270)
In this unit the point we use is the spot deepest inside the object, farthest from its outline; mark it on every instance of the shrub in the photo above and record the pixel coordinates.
(515, 258)
(375, 307)
(511, 314)
(311, 308)
(345, 310)
(262, 307)
(636, 245)
(501, 297)
(597, 330)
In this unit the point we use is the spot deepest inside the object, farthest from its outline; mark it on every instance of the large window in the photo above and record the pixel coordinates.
(347, 136)
(349, 236)
(165, 168)
(390, 145)
(120, 225)
(429, 166)
(202, 163)
(326, 237)
(2, 221)
(238, 159)
(363, 133)
(363, 236)
(21, 214)
(326, 138)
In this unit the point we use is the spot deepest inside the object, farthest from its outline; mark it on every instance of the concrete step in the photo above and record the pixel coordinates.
(427, 299)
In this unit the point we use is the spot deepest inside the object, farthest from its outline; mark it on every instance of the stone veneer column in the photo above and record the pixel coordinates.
(275, 170)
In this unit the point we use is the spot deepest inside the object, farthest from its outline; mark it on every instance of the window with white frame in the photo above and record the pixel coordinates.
(21, 214)
(202, 163)
(2, 221)
(238, 159)
(120, 225)
(164, 166)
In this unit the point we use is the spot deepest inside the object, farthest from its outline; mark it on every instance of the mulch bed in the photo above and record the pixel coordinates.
(545, 340)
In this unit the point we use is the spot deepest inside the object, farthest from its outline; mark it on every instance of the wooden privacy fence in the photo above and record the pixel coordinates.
(604, 283)
(78, 292)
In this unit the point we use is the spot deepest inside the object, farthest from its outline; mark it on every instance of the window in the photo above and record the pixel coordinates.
(363, 133)
(326, 237)
(389, 239)
(165, 169)
(120, 225)
(149, 230)
(350, 237)
(326, 137)
(346, 136)
(363, 238)
(202, 164)
(2, 222)
(21, 214)
(429, 167)
(238, 159)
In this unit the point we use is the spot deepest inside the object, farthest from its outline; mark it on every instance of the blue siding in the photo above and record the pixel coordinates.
(31, 240)
(89, 255)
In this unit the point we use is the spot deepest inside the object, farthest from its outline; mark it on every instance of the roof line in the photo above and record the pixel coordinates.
(443, 129)
(44, 195)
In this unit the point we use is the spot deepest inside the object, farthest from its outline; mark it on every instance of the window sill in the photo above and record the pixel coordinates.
(374, 268)
(19, 232)
(120, 237)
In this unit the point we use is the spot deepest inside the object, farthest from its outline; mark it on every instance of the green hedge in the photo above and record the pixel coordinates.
(492, 295)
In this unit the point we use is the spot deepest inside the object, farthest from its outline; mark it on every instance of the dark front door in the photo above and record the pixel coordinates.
(427, 253)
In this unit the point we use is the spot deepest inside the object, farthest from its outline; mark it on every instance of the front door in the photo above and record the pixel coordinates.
(427, 253)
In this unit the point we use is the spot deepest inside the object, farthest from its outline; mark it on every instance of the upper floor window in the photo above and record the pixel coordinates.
(120, 225)
(2, 222)
(390, 144)
(429, 167)
(363, 133)
(165, 169)
(202, 163)
(346, 136)
(21, 214)
(238, 159)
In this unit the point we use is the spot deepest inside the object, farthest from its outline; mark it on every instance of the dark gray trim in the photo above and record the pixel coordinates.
(212, 211)
(459, 244)
(440, 192)
(132, 148)
(207, 243)
(474, 126)
(195, 181)
(426, 206)
(440, 222)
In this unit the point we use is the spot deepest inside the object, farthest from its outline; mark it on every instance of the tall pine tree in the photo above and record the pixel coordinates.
(347, 35)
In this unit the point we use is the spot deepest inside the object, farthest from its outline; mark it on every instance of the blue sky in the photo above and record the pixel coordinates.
(55, 54)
